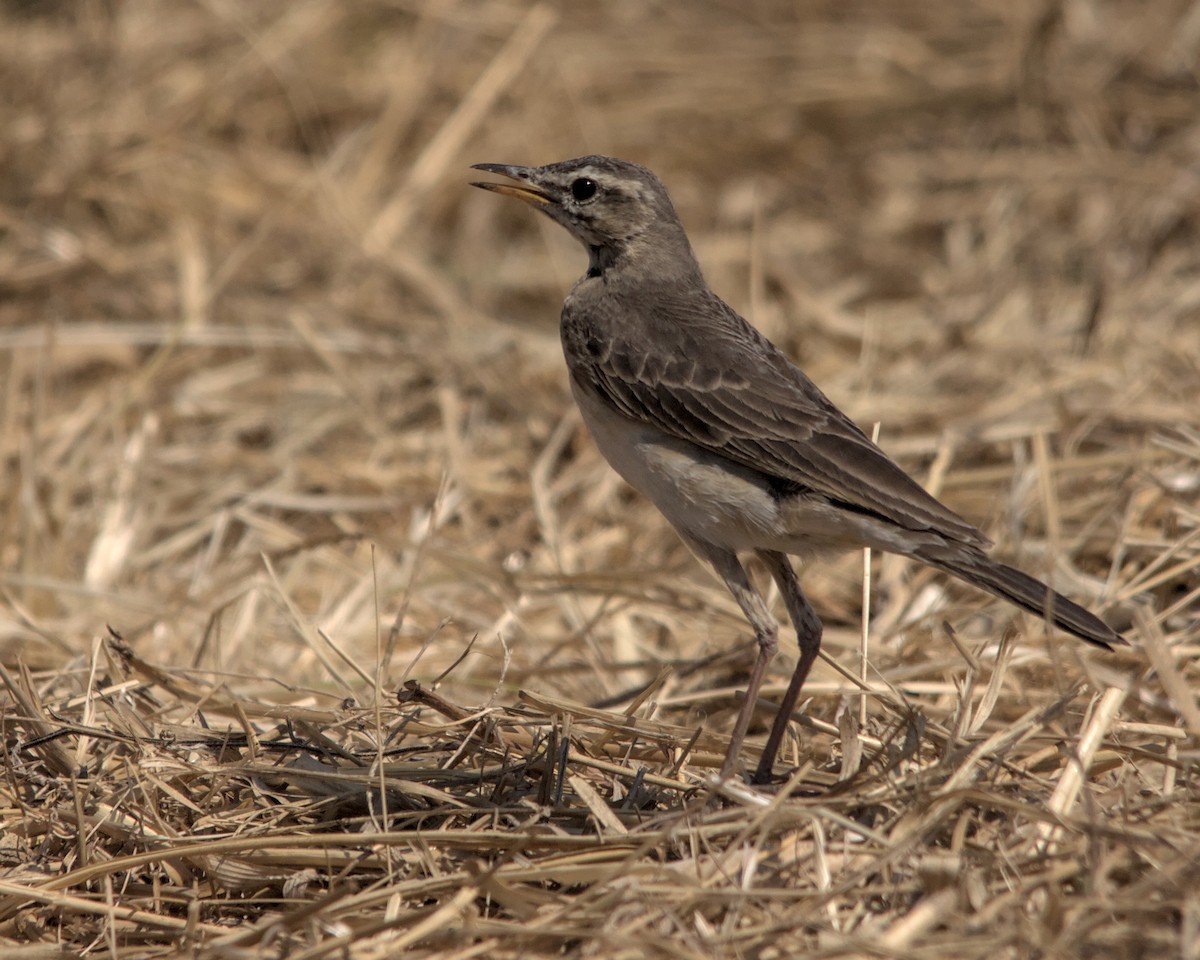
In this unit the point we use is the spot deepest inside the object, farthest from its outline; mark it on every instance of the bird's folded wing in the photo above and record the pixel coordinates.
(696, 370)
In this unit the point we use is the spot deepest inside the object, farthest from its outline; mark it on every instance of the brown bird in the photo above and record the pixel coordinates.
(730, 440)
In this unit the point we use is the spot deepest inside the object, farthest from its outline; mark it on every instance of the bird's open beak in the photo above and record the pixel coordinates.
(527, 193)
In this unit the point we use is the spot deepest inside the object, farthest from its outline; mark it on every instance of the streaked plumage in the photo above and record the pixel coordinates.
(732, 441)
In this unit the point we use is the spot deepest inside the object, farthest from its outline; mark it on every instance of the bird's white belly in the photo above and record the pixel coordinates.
(704, 496)
(710, 498)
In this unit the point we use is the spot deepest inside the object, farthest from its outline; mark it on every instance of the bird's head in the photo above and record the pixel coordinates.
(618, 210)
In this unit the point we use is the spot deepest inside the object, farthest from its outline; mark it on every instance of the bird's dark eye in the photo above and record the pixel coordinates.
(583, 189)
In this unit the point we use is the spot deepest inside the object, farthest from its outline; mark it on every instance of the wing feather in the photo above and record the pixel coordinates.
(688, 364)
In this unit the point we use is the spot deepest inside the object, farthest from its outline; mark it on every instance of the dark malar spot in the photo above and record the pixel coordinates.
(600, 258)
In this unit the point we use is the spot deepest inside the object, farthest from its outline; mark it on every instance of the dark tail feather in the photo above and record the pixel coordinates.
(1029, 593)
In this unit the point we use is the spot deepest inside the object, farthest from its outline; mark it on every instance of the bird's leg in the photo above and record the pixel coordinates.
(808, 635)
(766, 633)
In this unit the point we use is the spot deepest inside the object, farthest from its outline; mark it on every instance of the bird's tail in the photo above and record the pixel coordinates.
(1009, 583)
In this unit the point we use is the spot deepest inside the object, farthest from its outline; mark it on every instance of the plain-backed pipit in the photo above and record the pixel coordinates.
(730, 440)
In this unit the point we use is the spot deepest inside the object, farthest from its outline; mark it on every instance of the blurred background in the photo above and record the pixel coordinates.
(283, 399)
(282, 405)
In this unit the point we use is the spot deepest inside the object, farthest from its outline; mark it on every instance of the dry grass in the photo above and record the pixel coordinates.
(326, 632)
